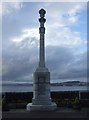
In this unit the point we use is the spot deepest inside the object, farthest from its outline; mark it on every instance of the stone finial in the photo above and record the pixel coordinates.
(42, 12)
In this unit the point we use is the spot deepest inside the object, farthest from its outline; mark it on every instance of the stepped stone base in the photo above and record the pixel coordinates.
(31, 107)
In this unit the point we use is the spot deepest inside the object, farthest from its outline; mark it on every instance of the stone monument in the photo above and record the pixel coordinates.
(41, 94)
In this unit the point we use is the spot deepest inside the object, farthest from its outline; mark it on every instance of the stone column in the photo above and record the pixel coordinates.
(42, 32)
(41, 94)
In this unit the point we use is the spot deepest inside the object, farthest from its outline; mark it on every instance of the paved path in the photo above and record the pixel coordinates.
(61, 114)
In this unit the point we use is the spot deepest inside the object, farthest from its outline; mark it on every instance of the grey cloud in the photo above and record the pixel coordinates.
(77, 69)
(74, 73)
(59, 57)
(19, 62)
(14, 23)
(60, 61)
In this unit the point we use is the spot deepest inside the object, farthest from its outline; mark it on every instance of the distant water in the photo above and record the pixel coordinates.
(29, 88)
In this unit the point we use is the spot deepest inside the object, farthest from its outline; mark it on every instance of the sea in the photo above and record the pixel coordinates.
(29, 88)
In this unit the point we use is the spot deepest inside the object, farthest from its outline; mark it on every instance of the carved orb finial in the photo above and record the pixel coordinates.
(42, 12)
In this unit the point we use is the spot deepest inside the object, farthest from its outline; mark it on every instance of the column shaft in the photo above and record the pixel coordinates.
(42, 51)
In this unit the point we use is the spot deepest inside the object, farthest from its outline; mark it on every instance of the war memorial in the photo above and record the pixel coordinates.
(41, 94)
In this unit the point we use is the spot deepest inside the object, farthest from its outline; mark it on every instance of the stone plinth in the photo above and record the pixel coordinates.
(31, 107)
(41, 97)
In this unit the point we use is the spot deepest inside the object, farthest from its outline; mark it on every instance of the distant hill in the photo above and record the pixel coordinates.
(70, 83)
(67, 83)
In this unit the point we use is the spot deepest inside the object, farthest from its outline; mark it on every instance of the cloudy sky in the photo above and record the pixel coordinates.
(65, 40)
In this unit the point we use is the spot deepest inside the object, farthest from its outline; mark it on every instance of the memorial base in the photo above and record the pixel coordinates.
(31, 107)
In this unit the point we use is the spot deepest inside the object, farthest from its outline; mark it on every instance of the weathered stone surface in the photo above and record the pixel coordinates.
(31, 107)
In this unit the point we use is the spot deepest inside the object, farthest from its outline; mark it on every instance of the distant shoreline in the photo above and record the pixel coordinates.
(27, 88)
(62, 86)
(67, 83)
